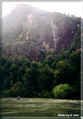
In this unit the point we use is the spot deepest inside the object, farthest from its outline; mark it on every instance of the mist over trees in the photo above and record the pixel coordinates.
(40, 55)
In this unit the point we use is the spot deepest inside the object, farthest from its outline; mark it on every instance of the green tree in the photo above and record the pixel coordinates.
(17, 89)
(62, 91)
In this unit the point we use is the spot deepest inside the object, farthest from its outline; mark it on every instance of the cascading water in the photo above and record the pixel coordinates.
(53, 26)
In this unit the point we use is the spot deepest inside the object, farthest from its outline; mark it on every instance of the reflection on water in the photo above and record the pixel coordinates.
(36, 108)
(39, 118)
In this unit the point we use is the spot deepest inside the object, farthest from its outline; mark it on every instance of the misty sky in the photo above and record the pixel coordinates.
(69, 8)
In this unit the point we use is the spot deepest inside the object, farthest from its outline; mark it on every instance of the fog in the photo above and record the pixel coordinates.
(69, 8)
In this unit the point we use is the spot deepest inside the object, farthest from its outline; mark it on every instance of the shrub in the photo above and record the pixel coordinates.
(62, 91)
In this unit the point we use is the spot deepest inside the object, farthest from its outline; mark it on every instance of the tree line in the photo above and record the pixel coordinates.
(53, 77)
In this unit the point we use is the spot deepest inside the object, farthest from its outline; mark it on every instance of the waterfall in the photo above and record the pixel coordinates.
(53, 31)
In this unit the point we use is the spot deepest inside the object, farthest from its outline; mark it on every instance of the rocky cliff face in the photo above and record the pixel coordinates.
(29, 31)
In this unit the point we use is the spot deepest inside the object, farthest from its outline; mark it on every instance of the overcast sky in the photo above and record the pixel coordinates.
(69, 8)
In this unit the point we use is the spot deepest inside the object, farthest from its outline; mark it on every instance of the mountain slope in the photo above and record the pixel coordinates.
(28, 30)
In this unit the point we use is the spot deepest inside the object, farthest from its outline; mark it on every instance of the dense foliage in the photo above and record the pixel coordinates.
(62, 91)
(61, 73)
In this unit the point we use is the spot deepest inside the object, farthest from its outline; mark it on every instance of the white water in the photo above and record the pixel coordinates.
(53, 26)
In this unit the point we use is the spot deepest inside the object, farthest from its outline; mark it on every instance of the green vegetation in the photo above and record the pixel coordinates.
(54, 77)
(62, 91)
